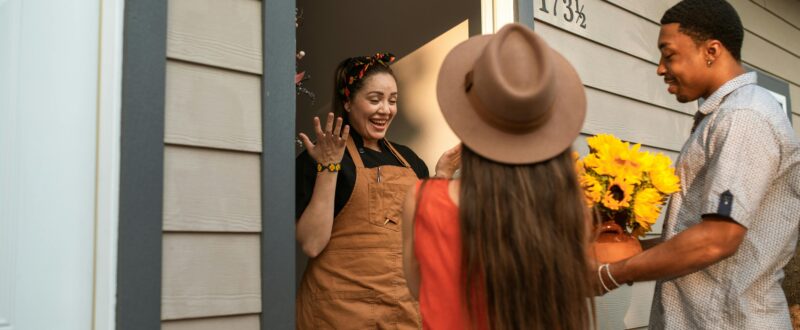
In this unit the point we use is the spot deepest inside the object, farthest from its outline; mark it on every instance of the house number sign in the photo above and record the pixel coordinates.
(571, 11)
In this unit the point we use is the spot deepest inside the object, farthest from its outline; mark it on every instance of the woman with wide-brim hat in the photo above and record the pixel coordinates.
(504, 246)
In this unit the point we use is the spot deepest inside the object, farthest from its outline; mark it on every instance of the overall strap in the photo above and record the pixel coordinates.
(396, 154)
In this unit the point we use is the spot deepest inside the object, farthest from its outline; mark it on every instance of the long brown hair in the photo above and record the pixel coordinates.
(524, 237)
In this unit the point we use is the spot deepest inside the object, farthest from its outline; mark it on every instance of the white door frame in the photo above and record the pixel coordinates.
(109, 91)
(495, 14)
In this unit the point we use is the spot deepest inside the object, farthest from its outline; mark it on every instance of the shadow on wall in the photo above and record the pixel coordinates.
(418, 32)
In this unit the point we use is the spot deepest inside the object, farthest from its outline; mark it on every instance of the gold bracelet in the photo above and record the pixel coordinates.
(332, 167)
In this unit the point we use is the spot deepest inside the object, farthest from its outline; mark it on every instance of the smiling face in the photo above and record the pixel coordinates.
(373, 107)
(683, 64)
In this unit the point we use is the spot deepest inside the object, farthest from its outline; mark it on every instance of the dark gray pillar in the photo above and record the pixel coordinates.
(277, 166)
(141, 166)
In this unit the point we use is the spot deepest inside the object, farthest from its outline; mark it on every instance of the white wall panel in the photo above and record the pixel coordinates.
(48, 141)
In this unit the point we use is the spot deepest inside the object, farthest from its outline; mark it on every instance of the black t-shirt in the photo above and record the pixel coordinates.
(306, 171)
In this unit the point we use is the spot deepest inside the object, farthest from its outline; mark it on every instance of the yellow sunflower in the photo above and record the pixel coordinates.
(618, 194)
(629, 163)
(646, 207)
(604, 149)
(604, 143)
(606, 163)
(662, 175)
(579, 167)
(592, 189)
(592, 162)
(610, 156)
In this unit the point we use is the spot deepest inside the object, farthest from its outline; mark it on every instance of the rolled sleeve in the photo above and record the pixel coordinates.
(743, 159)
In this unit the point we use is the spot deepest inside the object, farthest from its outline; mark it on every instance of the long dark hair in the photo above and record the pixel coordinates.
(340, 79)
(524, 237)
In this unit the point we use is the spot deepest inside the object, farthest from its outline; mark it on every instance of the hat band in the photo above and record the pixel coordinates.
(519, 127)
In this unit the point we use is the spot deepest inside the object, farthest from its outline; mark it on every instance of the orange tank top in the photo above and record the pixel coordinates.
(437, 247)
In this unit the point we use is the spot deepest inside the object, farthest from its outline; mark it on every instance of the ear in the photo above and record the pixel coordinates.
(347, 106)
(713, 49)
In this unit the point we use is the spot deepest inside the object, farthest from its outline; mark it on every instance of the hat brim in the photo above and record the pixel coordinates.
(545, 142)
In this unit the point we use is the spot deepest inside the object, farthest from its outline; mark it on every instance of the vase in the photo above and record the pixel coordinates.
(612, 243)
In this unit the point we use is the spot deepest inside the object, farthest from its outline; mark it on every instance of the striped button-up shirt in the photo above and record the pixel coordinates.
(743, 162)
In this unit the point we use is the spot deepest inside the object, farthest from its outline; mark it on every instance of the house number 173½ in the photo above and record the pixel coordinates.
(574, 11)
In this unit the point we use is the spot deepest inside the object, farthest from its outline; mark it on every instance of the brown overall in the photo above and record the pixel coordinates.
(357, 282)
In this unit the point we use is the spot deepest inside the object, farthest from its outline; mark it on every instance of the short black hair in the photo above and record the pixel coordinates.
(708, 19)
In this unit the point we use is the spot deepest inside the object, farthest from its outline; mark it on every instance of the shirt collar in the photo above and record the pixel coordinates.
(357, 139)
(713, 101)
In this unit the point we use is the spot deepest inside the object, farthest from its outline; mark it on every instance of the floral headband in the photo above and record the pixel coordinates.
(357, 66)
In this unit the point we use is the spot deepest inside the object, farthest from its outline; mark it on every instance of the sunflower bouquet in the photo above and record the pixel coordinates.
(625, 184)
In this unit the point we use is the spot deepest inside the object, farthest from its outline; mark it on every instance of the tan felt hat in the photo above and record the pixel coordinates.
(511, 98)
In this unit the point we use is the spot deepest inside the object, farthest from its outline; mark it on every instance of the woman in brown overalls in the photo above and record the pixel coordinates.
(349, 203)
